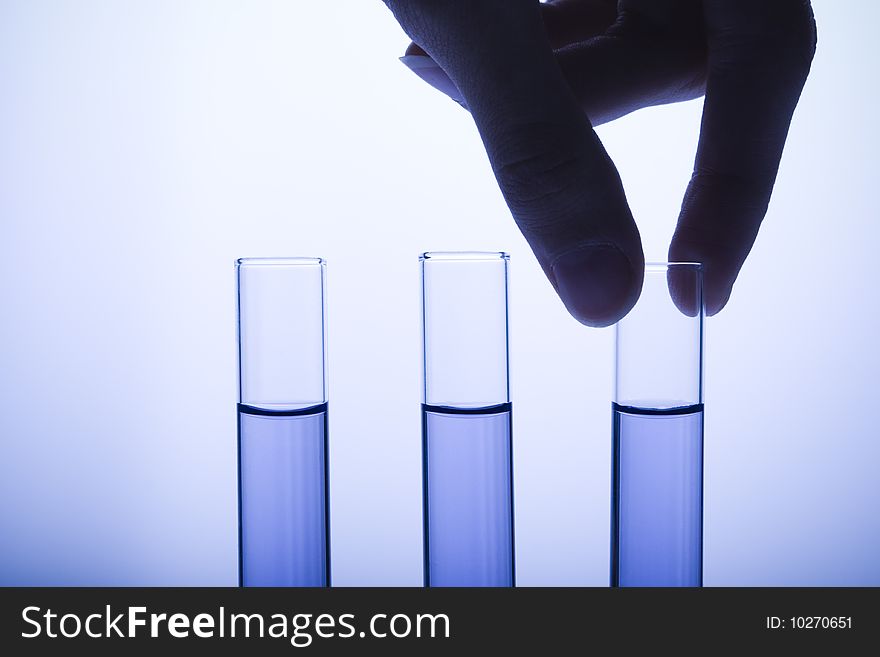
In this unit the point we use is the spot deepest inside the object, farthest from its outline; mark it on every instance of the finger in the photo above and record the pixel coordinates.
(760, 54)
(574, 21)
(636, 64)
(566, 22)
(556, 177)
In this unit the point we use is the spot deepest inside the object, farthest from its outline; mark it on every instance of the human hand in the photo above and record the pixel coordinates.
(537, 78)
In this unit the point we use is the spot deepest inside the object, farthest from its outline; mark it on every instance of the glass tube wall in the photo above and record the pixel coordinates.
(466, 421)
(282, 423)
(657, 467)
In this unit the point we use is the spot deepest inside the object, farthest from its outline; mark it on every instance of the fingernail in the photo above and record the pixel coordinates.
(427, 69)
(595, 283)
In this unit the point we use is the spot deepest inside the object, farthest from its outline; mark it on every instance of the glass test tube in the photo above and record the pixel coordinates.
(657, 462)
(466, 421)
(282, 423)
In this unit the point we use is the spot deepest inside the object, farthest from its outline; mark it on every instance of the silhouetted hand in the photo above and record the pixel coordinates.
(537, 77)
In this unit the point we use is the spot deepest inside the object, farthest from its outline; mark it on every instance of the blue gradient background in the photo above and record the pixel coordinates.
(145, 145)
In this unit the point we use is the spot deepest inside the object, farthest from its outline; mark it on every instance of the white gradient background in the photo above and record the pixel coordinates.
(146, 145)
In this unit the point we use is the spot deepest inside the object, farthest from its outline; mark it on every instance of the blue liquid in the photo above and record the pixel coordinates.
(657, 496)
(283, 506)
(468, 496)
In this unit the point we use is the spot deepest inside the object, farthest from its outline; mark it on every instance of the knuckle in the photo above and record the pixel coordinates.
(541, 177)
(731, 190)
(798, 32)
(544, 173)
(781, 34)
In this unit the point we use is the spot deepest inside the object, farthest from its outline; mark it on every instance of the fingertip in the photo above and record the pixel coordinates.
(598, 284)
(685, 289)
(716, 303)
(718, 277)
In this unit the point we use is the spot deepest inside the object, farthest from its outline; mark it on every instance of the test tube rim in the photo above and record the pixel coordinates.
(284, 261)
(464, 256)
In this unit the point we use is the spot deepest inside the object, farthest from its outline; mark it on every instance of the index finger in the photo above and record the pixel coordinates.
(559, 183)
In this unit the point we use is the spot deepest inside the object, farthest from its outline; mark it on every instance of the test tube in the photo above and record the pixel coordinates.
(466, 421)
(282, 423)
(657, 448)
